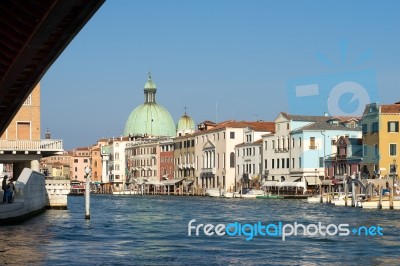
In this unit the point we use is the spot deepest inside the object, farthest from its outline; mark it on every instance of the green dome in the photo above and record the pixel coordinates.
(185, 125)
(150, 118)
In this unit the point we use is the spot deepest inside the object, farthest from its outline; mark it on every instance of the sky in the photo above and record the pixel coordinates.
(222, 59)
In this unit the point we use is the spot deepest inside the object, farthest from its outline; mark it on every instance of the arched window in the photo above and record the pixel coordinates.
(117, 167)
(117, 156)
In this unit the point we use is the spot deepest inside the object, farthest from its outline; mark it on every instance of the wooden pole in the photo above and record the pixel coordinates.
(345, 192)
(391, 198)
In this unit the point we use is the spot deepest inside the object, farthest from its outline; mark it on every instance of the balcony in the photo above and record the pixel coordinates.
(281, 150)
(208, 170)
(43, 146)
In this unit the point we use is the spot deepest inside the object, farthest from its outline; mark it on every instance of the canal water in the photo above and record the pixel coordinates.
(153, 230)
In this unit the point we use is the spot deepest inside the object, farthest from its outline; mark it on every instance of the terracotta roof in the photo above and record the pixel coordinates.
(254, 125)
(257, 142)
(390, 108)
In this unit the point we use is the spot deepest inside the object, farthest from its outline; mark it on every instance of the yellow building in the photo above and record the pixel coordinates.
(389, 138)
(381, 139)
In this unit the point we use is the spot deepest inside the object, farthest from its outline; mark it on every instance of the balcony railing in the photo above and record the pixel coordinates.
(208, 170)
(281, 150)
(31, 145)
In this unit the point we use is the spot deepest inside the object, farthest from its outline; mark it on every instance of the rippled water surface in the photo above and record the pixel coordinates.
(153, 230)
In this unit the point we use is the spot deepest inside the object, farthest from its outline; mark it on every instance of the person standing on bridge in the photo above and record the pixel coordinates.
(4, 188)
(10, 191)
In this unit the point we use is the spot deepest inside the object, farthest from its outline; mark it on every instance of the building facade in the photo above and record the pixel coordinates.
(380, 134)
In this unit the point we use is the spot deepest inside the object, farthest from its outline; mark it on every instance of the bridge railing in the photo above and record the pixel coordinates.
(31, 145)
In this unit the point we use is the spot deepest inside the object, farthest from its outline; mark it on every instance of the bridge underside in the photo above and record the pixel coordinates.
(33, 34)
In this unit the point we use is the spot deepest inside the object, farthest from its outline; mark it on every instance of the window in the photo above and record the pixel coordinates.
(266, 145)
(287, 163)
(232, 135)
(299, 162)
(75, 160)
(392, 149)
(375, 127)
(273, 163)
(85, 160)
(299, 142)
(292, 142)
(364, 128)
(365, 150)
(232, 160)
(277, 163)
(321, 161)
(292, 162)
(265, 163)
(393, 126)
(376, 151)
(312, 143)
(283, 162)
(273, 144)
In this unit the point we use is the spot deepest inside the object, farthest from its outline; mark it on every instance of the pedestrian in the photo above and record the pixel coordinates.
(4, 188)
(10, 191)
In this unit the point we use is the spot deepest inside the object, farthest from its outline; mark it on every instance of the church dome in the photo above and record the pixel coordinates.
(185, 125)
(150, 118)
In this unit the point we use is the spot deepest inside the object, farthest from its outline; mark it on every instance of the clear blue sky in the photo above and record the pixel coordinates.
(222, 59)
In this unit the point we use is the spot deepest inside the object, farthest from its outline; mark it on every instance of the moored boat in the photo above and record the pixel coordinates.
(214, 192)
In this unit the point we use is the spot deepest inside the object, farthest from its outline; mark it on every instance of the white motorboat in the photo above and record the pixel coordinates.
(315, 199)
(214, 192)
(248, 193)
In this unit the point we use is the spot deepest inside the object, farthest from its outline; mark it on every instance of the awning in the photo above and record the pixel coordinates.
(171, 182)
(311, 180)
(291, 184)
(188, 183)
(327, 182)
(270, 183)
(155, 183)
(293, 178)
(283, 184)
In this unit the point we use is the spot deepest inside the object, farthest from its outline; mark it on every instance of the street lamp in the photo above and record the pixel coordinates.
(87, 193)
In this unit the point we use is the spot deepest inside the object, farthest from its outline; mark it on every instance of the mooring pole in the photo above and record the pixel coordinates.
(87, 193)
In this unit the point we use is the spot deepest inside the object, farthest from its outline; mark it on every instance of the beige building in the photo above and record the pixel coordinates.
(57, 165)
(184, 156)
(26, 123)
(215, 151)
(21, 144)
(80, 158)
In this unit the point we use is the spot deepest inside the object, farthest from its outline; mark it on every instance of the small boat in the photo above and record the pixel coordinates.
(248, 193)
(214, 192)
(315, 199)
(77, 189)
(228, 195)
(269, 196)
